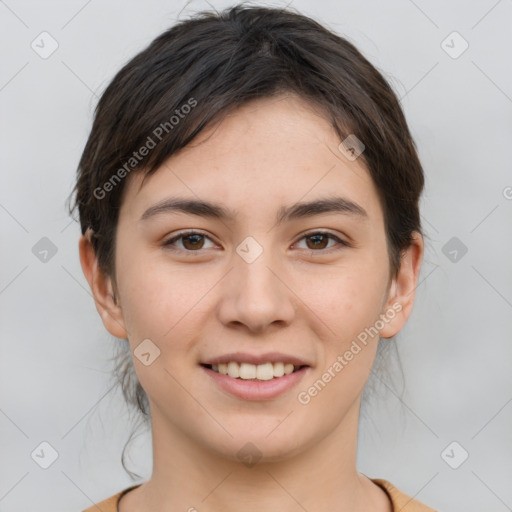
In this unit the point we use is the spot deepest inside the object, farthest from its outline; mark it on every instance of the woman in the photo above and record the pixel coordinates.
(248, 200)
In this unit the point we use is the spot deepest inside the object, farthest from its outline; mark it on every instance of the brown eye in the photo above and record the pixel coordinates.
(319, 240)
(190, 241)
(193, 242)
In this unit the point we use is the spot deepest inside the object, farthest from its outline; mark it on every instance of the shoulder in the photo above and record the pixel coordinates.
(110, 504)
(400, 500)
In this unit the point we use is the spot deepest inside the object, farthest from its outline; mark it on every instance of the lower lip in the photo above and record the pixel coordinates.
(256, 389)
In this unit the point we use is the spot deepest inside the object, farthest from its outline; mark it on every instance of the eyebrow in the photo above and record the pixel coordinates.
(285, 213)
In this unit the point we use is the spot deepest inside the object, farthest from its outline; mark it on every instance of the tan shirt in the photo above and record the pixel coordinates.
(401, 502)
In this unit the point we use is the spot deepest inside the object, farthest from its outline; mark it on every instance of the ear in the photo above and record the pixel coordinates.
(402, 290)
(102, 288)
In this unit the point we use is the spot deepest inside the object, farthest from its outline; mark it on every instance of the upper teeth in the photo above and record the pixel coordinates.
(264, 371)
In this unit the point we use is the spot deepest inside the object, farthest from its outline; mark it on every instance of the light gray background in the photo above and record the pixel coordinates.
(456, 350)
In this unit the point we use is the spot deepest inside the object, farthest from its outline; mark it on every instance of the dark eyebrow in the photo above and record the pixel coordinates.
(285, 213)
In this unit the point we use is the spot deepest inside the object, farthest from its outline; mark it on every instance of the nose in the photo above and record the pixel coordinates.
(256, 295)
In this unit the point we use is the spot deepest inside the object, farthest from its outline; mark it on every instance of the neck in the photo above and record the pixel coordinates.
(187, 476)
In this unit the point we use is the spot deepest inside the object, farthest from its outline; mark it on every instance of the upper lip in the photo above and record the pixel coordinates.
(267, 357)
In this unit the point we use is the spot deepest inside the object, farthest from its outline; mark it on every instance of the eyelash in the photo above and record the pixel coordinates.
(169, 242)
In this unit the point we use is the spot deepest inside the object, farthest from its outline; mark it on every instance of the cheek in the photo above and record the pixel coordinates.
(163, 303)
(348, 299)
(350, 305)
(157, 307)
(152, 304)
(350, 309)
(145, 292)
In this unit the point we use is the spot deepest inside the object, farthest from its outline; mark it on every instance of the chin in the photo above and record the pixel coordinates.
(261, 447)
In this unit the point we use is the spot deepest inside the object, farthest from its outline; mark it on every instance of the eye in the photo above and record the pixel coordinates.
(191, 241)
(320, 239)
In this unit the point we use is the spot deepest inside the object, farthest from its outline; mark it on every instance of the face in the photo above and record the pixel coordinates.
(267, 281)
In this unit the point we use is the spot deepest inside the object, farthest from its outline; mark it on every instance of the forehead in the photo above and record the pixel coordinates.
(280, 149)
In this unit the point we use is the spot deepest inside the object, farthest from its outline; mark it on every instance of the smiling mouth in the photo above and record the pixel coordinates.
(248, 371)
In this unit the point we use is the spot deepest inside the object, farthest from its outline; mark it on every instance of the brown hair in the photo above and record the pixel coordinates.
(204, 67)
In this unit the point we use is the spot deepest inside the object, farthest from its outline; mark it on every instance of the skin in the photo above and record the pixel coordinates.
(297, 297)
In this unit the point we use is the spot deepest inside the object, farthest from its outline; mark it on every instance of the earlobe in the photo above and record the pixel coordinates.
(402, 290)
(102, 288)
